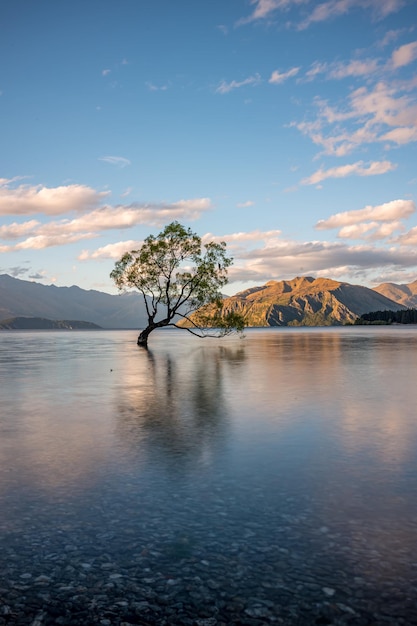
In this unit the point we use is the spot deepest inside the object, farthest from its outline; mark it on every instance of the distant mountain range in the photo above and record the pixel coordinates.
(403, 294)
(303, 301)
(22, 298)
(40, 323)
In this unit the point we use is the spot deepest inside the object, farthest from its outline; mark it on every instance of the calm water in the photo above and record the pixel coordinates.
(270, 479)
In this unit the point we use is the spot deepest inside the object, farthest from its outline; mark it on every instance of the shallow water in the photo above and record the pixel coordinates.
(270, 479)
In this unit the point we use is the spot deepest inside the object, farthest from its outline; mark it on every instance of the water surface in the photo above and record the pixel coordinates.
(270, 479)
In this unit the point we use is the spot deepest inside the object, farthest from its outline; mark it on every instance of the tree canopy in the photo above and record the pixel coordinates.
(180, 279)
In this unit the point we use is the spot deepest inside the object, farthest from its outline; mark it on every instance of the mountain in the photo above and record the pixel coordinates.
(306, 301)
(403, 294)
(22, 298)
(303, 301)
(40, 323)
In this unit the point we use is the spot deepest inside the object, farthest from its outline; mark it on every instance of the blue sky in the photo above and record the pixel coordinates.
(287, 128)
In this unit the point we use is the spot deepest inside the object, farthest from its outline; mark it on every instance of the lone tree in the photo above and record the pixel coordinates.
(180, 280)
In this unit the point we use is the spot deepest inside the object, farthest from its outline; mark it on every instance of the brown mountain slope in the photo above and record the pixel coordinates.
(306, 301)
(403, 294)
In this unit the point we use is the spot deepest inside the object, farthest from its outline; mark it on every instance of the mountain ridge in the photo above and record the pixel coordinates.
(405, 294)
(21, 298)
(303, 300)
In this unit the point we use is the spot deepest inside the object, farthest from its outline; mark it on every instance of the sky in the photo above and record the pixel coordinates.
(287, 128)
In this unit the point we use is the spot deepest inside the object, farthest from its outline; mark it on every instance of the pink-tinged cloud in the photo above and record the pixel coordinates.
(225, 87)
(16, 231)
(111, 251)
(371, 231)
(409, 238)
(394, 210)
(374, 168)
(40, 242)
(336, 8)
(404, 55)
(26, 200)
(279, 77)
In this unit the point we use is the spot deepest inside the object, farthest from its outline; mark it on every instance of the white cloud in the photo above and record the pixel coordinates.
(115, 160)
(404, 55)
(105, 72)
(26, 200)
(374, 168)
(111, 251)
(394, 210)
(225, 87)
(65, 231)
(279, 77)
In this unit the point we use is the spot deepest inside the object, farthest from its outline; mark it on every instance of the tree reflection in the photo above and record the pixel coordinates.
(173, 409)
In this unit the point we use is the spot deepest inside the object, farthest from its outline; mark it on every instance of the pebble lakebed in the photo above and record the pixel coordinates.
(184, 563)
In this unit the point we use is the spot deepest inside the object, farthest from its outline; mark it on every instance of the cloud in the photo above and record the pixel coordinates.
(105, 72)
(115, 160)
(409, 238)
(321, 12)
(277, 78)
(27, 200)
(225, 87)
(373, 231)
(286, 259)
(15, 271)
(394, 210)
(336, 8)
(340, 70)
(16, 231)
(89, 225)
(401, 136)
(264, 8)
(111, 251)
(381, 113)
(122, 216)
(254, 235)
(116, 250)
(404, 55)
(374, 168)
(40, 242)
(244, 205)
(353, 68)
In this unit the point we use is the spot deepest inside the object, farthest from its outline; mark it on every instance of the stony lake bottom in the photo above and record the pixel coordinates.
(264, 480)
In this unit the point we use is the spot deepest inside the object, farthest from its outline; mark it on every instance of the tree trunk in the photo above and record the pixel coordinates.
(143, 337)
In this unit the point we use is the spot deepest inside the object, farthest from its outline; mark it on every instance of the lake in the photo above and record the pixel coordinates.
(264, 480)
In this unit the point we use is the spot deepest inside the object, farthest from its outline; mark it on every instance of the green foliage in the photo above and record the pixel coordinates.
(177, 275)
